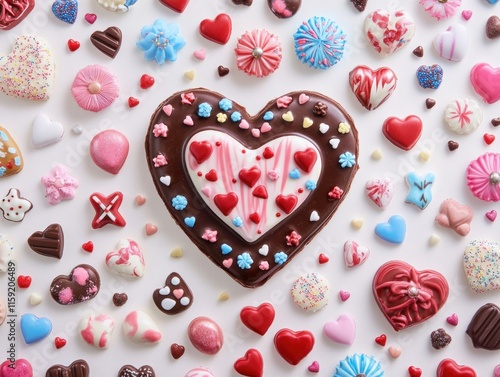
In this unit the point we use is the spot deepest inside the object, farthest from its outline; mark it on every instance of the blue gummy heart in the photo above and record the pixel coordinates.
(492, 1)
(189, 221)
(268, 116)
(225, 248)
(294, 174)
(34, 329)
(430, 76)
(393, 231)
(65, 10)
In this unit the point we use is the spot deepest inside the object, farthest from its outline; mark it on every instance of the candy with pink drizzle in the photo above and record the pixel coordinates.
(96, 330)
(140, 328)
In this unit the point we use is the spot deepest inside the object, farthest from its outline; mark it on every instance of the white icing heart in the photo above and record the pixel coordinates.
(453, 43)
(29, 70)
(127, 261)
(334, 143)
(6, 251)
(166, 179)
(264, 250)
(388, 32)
(323, 128)
(355, 254)
(380, 191)
(279, 176)
(314, 216)
(140, 328)
(45, 132)
(96, 330)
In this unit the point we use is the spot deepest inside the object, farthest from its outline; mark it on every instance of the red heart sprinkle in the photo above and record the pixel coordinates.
(23, 281)
(414, 371)
(59, 342)
(322, 259)
(147, 81)
(260, 192)
(217, 30)
(211, 176)
(88, 246)
(268, 153)
(226, 203)
(251, 364)
(286, 203)
(258, 319)
(305, 159)
(254, 217)
(381, 340)
(132, 102)
(73, 45)
(489, 138)
(249, 176)
(201, 150)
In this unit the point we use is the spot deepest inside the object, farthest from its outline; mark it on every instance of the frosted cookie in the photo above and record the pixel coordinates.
(29, 70)
(274, 173)
(482, 265)
(6, 252)
(311, 292)
(96, 330)
(463, 116)
(94, 88)
(11, 159)
(14, 207)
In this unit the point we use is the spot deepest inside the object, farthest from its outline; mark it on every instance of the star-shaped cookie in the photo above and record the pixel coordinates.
(14, 207)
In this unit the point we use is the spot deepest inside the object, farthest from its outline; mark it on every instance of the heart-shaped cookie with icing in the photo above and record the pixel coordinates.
(407, 296)
(243, 187)
(29, 70)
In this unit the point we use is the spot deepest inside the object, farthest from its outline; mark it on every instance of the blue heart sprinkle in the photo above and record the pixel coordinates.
(34, 329)
(294, 174)
(492, 1)
(225, 248)
(65, 10)
(268, 116)
(430, 76)
(393, 231)
(189, 221)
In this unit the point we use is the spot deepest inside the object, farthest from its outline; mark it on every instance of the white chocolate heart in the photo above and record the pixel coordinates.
(380, 191)
(97, 330)
(127, 260)
(453, 43)
(45, 132)
(140, 328)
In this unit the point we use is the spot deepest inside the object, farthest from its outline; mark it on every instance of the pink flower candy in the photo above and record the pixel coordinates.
(59, 185)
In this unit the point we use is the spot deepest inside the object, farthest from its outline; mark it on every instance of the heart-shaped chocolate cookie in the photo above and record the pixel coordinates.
(131, 371)
(49, 243)
(243, 187)
(78, 368)
(175, 296)
(82, 284)
(407, 296)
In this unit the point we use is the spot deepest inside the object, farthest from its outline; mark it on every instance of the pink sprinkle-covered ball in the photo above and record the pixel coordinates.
(205, 335)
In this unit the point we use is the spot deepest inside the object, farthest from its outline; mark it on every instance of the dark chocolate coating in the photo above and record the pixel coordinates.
(174, 148)
(291, 7)
(243, 2)
(178, 307)
(493, 27)
(108, 41)
(49, 243)
(484, 328)
(360, 5)
(131, 371)
(80, 293)
(120, 299)
(78, 368)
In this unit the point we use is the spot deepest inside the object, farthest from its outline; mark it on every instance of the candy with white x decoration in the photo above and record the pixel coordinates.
(106, 209)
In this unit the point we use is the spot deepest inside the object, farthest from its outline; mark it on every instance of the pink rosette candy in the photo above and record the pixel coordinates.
(94, 88)
(258, 53)
(440, 9)
(483, 177)
(59, 185)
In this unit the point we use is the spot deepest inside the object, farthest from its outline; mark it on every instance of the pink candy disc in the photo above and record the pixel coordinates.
(109, 150)
(205, 335)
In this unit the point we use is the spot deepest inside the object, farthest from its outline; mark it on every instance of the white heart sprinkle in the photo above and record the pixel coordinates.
(175, 281)
(314, 216)
(188, 121)
(244, 125)
(264, 250)
(77, 129)
(164, 291)
(167, 304)
(166, 180)
(323, 128)
(185, 301)
(334, 143)
(255, 132)
(35, 299)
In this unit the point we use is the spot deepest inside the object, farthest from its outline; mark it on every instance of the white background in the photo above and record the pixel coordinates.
(207, 281)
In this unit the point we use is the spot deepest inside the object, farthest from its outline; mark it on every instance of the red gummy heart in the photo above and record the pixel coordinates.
(403, 133)
(177, 350)
(176, 5)
(88, 246)
(23, 281)
(59, 342)
(258, 319)
(414, 371)
(147, 81)
(293, 346)
(73, 45)
(406, 296)
(449, 368)
(381, 340)
(217, 30)
(250, 365)
(489, 138)
(322, 259)
(132, 102)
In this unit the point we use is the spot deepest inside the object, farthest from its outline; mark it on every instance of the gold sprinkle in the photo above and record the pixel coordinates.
(424, 156)
(357, 223)
(224, 296)
(176, 253)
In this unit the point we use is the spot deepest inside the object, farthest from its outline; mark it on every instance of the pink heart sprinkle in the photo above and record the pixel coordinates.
(344, 295)
(90, 18)
(200, 54)
(244, 125)
(266, 127)
(314, 367)
(140, 200)
(227, 262)
(168, 109)
(188, 121)
(255, 132)
(178, 293)
(303, 98)
(452, 319)
(466, 14)
(151, 229)
(207, 191)
(491, 215)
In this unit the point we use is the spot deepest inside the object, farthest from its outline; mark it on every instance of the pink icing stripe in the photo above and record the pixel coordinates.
(88, 334)
(103, 339)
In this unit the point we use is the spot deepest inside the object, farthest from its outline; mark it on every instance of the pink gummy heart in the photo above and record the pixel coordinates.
(342, 331)
(452, 319)
(21, 368)
(90, 18)
(109, 150)
(466, 14)
(314, 367)
(486, 82)
(491, 215)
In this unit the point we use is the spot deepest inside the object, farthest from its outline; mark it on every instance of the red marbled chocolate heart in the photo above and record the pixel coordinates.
(407, 296)
(243, 187)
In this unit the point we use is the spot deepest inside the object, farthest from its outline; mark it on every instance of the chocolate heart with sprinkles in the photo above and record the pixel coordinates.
(243, 187)
(131, 371)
